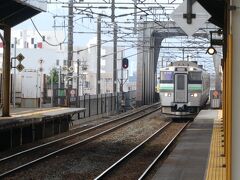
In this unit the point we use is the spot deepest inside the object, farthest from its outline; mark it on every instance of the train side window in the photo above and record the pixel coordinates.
(166, 77)
(195, 77)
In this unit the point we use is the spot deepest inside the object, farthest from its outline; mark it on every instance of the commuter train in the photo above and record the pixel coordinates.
(184, 89)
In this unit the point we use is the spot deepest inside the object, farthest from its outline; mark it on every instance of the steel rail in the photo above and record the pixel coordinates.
(75, 144)
(161, 153)
(75, 134)
(117, 163)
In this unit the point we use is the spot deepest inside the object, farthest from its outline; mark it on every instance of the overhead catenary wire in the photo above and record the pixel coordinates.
(50, 44)
(148, 12)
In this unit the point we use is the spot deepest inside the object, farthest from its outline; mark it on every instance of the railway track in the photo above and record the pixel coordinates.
(138, 162)
(23, 159)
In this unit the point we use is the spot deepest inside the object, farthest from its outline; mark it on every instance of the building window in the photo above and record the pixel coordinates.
(87, 84)
(32, 40)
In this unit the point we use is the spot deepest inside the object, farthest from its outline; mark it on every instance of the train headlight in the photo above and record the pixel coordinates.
(194, 95)
(167, 94)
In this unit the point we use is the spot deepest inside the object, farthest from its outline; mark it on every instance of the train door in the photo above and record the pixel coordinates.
(180, 92)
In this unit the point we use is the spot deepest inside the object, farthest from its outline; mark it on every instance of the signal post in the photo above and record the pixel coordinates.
(124, 66)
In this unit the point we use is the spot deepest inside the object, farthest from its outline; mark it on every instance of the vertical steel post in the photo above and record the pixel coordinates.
(121, 87)
(135, 17)
(98, 89)
(70, 47)
(37, 91)
(89, 105)
(52, 89)
(97, 104)
(189, 14)
(105, 102)
(14, 73)
(189, 11)
(78, 100)
(101, 104)
(111, 101)
(41, 87)
(59, 85)
(114, 48)
(84, 104)
(6, 72)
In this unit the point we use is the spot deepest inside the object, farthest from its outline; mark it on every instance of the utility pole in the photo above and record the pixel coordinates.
(78, 64)
(41, 82)
(135, 17)
(114, 48)
(6, 72)
(70, 47)
(98, 89)
(121, 80)
(52, 88)
(14, 73)
(59, 85)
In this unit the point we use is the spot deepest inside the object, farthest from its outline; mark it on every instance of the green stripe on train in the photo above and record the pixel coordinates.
(170, 87)
(166, 87)
(195, 87)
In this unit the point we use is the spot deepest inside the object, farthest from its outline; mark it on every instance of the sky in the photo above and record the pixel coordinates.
(46, 21)
(82, 23)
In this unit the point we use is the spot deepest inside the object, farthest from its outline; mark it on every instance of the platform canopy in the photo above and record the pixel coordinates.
(13, 12)
(216, 8)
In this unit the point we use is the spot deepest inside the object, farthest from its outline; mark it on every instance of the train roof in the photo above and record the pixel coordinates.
(185, 63)
(193, 64)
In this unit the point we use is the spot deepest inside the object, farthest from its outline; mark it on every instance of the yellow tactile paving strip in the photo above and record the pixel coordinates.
(217, 161)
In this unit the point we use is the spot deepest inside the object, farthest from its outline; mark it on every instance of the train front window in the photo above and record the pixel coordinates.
(166, 77)
(195, 77)
(180, 82)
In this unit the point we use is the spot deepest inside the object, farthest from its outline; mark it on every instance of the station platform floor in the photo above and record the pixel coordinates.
(27, 125)
(24, 115)
(199, 151)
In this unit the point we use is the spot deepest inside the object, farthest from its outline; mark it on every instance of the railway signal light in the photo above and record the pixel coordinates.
(211, 50)
(124, 63)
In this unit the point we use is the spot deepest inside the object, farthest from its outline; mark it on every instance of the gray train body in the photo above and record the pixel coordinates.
(184, 89)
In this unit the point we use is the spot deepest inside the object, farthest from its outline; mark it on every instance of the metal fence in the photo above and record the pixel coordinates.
(97, 104)
(106, 103)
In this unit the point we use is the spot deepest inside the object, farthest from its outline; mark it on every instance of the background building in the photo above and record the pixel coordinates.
(48, 51)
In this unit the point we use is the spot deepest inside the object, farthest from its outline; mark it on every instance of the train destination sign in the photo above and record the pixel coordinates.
(200, 17)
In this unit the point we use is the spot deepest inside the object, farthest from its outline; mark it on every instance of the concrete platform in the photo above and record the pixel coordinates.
(189, 159)
(24, 116)
(31, 124)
